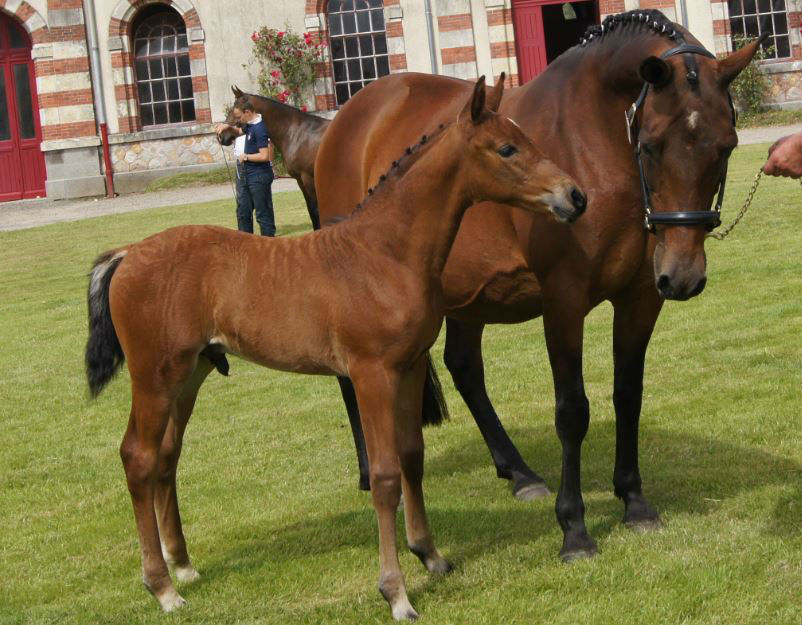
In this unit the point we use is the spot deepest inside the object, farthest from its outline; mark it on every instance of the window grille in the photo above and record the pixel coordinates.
(163, 75)
(752, 18)
(358, 45)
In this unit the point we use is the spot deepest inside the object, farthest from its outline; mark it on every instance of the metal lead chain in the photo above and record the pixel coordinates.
(747, 202)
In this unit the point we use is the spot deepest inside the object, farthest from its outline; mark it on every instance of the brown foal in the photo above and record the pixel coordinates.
(362, 298)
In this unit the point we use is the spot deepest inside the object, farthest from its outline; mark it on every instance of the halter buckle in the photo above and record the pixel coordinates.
(629, 115)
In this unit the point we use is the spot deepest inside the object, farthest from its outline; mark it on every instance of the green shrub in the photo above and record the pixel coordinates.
(750, 87)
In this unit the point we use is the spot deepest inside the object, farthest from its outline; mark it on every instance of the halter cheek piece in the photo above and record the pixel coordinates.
(710, 218)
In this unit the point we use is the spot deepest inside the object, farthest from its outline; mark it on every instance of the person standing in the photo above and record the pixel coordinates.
(255, 172)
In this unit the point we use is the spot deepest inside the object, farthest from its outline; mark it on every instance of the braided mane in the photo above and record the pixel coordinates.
(402, 164)
(651, 19)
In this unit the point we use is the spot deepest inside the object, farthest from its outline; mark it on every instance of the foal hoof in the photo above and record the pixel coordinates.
(171, 600)
(405, 613)
(641, 526)
(186, 574)
(439, 566)
(531, 491)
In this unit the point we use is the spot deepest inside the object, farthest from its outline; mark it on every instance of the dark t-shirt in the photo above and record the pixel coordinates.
(256, 137)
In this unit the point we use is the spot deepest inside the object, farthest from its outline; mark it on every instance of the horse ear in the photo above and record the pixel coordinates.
(237, 92)
(731, 66)
(494, 99)
(475, 106)
(656, 71)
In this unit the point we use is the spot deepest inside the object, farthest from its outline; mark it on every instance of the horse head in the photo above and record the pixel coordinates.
(507, 165)
(683, 136)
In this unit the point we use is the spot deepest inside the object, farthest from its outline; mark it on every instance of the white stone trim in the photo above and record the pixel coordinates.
(67, 144)
(719, 11)
(12, 6)
(466, 71)
(35, 22)
(395, 45)
(42, 51)
(312, 22)
(394, 12)
(63, 82)
(197, 34)
(67, 114)
(451, 7)
(456, 38)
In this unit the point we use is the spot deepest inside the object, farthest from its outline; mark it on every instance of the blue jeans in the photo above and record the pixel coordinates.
(254, 195)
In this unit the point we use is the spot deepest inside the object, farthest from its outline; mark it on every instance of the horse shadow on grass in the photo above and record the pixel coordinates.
(684, 474)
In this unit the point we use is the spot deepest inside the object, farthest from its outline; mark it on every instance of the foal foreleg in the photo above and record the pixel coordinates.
(376, 392)
(140, 455)
(463, 357)
(174, 547)
(409, 434)
(635, 316)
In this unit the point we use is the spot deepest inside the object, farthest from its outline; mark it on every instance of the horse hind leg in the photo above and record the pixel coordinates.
(150, 413)
(173, 543)
(463, 358)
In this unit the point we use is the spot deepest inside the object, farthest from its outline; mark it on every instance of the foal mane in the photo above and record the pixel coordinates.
(637, 21)
(401, 165)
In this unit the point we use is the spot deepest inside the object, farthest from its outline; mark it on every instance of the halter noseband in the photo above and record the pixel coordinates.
(709, 218)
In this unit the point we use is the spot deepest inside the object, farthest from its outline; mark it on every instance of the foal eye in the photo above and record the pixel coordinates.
(505, 151)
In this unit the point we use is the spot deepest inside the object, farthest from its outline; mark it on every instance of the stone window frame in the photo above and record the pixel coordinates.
(742, 16)
(122, 61)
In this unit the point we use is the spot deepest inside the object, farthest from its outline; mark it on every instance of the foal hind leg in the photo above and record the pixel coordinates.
(633, 323)
(174, 547)
(377, 392)
(463, 357)
(150, 412)
(409, 433)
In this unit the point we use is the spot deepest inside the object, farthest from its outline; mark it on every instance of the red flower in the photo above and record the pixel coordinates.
(275, 73)
(304, 109)
(255, 36)
(280, 34)
(281, 97)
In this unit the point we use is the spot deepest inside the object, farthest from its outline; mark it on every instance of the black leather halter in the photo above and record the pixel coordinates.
(710, 218)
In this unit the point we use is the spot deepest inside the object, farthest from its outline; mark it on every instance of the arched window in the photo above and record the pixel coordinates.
(161, 64)
(358, 45)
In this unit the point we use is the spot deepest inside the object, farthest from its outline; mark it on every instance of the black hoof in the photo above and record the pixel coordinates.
(641, 517)
(578, 548)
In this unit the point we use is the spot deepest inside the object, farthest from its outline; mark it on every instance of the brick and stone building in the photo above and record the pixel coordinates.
(166, 68)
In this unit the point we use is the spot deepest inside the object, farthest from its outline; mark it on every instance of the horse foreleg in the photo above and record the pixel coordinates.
(377, 392)
(635, 316)
(150, 412)
(307, 185)
(349, 398)
(409, 433)
(564, 327)
(174, 547)
(463, 357)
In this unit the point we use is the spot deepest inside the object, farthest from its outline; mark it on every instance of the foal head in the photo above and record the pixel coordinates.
(504, 166)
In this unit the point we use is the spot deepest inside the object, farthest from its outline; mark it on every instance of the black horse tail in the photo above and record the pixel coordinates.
(435, 409)
(104, 355)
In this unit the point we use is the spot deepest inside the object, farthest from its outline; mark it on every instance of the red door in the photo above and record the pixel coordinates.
(22, 164)
(530, 40)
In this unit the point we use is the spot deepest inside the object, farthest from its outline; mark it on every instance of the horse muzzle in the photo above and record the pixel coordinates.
(567, 205)
(679, 290)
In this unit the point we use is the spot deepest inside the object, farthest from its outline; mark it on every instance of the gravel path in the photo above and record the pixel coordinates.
(33, 213)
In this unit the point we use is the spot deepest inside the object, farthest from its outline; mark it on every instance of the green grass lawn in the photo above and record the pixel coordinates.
(272, 515)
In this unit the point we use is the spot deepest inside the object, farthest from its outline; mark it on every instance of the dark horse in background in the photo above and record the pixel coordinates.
(296, 134)
(508, 267)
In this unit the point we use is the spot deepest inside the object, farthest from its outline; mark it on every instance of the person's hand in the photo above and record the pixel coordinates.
(218, 128)
(785, 157)
(242, 158)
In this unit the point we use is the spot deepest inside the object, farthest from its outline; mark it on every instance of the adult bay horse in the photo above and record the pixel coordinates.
(507, 266)
(296, 134)
(354, 300)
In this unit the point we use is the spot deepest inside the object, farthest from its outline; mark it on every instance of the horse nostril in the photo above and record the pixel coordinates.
(700, 286)
(579, 200)
(663, 282)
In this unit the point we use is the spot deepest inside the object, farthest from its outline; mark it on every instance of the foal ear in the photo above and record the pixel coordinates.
(237, 92)
(734, 64)
(494, 99)
(656, 71)
(475, 106)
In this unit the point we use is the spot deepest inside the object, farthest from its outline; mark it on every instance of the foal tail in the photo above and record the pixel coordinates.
(435, 409)
(104, 355)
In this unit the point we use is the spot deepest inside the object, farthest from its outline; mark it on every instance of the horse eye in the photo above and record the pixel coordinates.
(505, 151)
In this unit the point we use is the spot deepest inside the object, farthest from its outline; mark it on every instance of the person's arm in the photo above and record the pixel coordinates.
(785, 157)
(262, 143)
(262, 156)
(218, 128)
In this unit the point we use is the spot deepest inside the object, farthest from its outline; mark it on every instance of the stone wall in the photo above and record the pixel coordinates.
(785, 85)
(163, 153)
